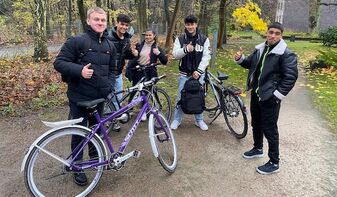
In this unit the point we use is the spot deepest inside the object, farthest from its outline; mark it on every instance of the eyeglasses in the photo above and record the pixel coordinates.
(271, 32)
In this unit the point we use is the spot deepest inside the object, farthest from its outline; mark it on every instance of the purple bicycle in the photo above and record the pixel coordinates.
(49, 163)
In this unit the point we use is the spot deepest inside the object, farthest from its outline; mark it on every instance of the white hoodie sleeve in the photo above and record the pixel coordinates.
(178, 52)
(205, 58)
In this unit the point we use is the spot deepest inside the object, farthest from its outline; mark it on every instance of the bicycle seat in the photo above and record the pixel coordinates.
(222, 76)
(90, 104)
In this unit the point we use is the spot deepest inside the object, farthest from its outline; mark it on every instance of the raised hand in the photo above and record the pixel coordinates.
(87, 72)
(156, 51)
(190, 47)
(238, 54)
(134, 51)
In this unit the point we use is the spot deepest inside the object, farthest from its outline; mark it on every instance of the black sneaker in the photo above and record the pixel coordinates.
(253, 153)
(80, 178)
(268, 168)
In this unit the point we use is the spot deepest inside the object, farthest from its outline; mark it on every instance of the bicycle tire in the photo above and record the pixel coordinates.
(163, 142)
(163, 102)
(47, 176)
(235, 115)
(211, 102)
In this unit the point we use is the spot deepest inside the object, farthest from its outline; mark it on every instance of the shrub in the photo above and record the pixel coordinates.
(329, 57)
(329, 36)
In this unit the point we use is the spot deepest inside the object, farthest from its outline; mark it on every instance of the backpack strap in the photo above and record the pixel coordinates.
(111, 47)
(83, 43)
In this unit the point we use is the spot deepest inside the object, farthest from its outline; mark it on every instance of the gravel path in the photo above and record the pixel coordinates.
(210, 163)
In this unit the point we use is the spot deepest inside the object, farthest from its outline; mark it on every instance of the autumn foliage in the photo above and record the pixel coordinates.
(249, 15)
(24, 82)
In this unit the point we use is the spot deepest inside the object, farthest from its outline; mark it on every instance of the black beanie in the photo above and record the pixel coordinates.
(276, 25)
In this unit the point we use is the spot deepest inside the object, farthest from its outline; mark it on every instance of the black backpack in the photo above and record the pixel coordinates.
(84, 43)
(192, 99)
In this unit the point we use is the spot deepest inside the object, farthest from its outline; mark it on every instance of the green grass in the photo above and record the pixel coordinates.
(323, 85)
(254, 35)
(324, 91)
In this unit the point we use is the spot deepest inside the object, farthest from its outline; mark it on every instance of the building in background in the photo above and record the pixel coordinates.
(295, 14)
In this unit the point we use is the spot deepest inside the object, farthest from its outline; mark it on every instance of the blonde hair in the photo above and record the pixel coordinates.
(96, 9)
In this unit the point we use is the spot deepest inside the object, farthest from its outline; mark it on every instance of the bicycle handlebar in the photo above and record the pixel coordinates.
(144, 67)
(140, 86)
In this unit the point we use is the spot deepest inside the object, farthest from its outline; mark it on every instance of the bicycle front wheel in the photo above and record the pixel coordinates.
(46, 175)
(162, 142)
(162, 102)
(235, 115)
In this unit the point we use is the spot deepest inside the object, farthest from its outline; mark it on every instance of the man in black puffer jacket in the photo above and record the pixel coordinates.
(89, 73)
(272, 74)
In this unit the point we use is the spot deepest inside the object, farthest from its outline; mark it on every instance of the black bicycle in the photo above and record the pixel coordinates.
(226, 100)
(158, 97)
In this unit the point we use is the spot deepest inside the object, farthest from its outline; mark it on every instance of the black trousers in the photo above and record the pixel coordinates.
(78, 112)
(264, 122)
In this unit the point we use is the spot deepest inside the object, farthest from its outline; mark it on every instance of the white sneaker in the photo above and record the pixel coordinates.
(123, 117)
(202, 125)
(144, 117)
(175, 124)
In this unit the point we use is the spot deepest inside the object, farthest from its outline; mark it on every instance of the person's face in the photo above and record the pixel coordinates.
(122, 27)
(191, 27)
(273, 36)
(97, 22)
(149, 36)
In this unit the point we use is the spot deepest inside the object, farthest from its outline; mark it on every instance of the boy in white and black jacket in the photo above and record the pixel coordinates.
(192, 49)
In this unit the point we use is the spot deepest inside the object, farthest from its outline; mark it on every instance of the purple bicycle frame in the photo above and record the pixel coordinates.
(93, 163)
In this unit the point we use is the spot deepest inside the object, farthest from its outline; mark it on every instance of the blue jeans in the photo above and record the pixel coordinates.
(178, 113)
(118, 87)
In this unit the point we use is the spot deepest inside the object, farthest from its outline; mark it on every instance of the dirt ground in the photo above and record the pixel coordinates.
(210, 163)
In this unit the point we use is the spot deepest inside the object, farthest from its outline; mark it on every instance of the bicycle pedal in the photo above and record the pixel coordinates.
(136, 153)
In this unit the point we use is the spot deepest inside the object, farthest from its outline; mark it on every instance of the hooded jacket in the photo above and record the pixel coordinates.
(278, 74)
(123, 50)
(102, 62)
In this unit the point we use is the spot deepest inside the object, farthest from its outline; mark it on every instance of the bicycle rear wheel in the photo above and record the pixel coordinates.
(235, 115)
(163, 142)
(47, 176)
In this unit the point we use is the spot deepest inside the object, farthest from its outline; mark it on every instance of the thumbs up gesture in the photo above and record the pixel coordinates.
(87, 72)
(156, 51)
(134, 51)
(190, 47)
(238, 54)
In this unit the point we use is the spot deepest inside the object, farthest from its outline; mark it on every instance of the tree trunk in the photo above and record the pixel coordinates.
(203, 16)
(167, 13)
(142, 17)
(49, 34)
(99, 3)
(40, 36)
(81, 11)
(187, 7)
(222, 24)
(69, 21)
(172, 24)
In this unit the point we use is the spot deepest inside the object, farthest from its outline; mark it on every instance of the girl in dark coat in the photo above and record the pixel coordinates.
(149, 53)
